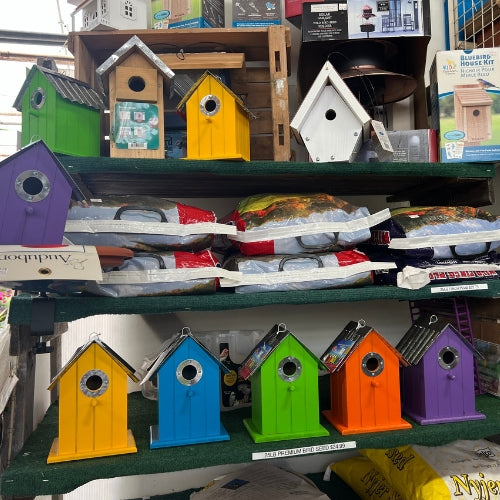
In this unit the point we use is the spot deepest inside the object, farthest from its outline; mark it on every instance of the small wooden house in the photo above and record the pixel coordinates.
(438, 385)
(92, 405)
(133, 79)
(35, 194)
(364, 381)
(284, 384)
(188, 382)
(330, 122)
(218, 123)
(62, 111)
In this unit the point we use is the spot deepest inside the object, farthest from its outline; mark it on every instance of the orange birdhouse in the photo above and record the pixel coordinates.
(364, 382)
(92, 405)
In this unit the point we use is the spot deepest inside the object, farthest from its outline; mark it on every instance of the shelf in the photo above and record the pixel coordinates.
(420, 183)
(29, 475)
(72, 308)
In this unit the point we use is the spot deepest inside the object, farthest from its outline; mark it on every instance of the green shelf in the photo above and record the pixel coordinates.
(29, 475)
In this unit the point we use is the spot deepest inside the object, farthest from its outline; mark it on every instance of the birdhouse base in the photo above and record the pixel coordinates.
(282, 436)
(55, 457)
(345, 430)
(155, 442)
(423, 420)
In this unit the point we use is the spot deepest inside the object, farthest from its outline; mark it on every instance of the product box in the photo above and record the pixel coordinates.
(256, 13)
(170, 14)
(409, 146)
(175, 144)
(464, 92)
(350, 19)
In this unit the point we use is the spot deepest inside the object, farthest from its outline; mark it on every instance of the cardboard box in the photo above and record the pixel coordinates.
(256, 13)
(464, 90)
(171, 14)
(351, 19)
(409, 146)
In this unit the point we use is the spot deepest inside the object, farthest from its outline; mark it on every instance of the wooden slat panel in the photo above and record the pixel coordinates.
(205, 60)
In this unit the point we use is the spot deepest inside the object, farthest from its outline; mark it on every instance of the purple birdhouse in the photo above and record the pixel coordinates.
(35, 193)
(438, 385)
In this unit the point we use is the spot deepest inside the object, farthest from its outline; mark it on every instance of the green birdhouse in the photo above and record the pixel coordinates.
(285, 395)
(65, 113)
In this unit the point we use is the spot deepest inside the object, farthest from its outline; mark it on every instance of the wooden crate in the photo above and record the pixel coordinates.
(256, 57)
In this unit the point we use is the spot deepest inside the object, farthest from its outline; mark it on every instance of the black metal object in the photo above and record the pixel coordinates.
(43, 310)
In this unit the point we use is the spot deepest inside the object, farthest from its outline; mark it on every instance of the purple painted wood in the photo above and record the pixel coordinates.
(35, 193)
(440, 387)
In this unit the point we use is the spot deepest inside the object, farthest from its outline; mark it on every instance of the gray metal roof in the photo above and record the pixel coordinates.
(67, 87)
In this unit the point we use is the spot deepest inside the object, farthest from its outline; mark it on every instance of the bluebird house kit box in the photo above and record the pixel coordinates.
(92, 405)
(256, 14)
(64, 112)
(188, 381)
(465, 96)
(438, 384)
(171, 14)
(284, 383)
(364, 381)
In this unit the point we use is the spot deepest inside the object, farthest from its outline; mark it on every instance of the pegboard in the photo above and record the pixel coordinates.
(473, 23)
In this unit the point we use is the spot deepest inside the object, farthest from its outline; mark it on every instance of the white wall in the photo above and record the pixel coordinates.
(133, 337)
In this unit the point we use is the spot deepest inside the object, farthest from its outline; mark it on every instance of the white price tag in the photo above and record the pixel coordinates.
(459, 288)
(304, 450)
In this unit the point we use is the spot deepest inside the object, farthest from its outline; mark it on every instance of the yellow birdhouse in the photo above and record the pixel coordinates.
(92, 405)
(218, 123)
(133, 79)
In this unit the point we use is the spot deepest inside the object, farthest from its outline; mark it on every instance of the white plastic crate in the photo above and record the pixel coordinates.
(111, 14)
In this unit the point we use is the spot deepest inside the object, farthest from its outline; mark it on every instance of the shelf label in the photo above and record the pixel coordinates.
(459, 288)
(304, 450)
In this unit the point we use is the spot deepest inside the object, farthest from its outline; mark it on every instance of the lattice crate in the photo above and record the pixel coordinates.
(473, 23)
(110, 14)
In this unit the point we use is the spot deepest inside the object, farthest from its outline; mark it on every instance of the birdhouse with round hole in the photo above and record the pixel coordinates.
(134, 80)
(330, 122)
(285, 395)
(364, 381)
(187, 375)
(438, 386)
(92, 405)
(217, 121)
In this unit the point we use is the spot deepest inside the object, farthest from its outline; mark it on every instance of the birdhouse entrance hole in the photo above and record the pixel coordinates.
(32, 185)
(448, 357)
(330, 114)
(289, 369)
(189, 372)
(372, 364)
(136, 84)
(94, 383)
(38, 98)
(210, 105)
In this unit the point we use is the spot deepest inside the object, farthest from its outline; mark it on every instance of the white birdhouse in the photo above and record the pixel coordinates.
(331, 122)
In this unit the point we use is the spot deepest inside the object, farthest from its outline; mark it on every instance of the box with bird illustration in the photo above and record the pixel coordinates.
(465, 104)
(256, 13)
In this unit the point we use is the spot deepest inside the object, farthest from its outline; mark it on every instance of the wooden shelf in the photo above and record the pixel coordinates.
(418, 183)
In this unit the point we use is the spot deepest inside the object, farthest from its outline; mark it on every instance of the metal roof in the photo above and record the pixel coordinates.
(67, 87)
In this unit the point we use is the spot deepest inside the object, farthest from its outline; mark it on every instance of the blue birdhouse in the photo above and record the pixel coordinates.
(188, 380)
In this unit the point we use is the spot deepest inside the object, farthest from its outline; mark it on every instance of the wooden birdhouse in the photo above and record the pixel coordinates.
(473, 113)
(92, 405)
(364, 381)
(218, 123)
(133, 79)
(35, 196)
(62, 111)
(438, 385)
(188, 382)
(330, 122)
(284, 384)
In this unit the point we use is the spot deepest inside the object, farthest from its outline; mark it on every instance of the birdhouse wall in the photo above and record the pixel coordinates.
(53, 120)
(135, 80)
(473, 113)
(38, 222)
(224, 134)
(365, 401)
(280, 407)
(445, 392)
(188, 411)
(88, 424)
